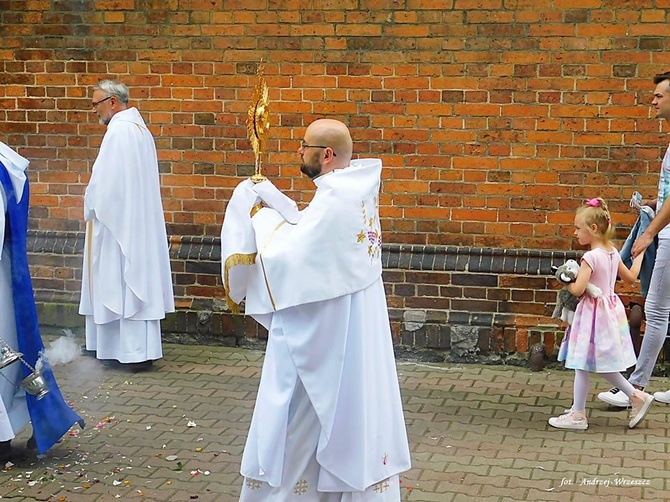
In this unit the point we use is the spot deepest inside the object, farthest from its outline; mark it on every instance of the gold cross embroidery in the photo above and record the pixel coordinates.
(253, 484)
(381, 487)
(301, 487)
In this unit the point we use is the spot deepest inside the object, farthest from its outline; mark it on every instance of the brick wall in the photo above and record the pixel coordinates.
(494, 120)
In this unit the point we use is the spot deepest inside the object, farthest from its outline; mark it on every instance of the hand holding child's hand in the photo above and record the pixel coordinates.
(640, 245)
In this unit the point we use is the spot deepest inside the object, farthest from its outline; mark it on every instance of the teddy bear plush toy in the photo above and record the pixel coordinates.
(566, 302)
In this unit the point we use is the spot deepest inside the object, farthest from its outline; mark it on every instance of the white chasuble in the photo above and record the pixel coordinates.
(126, 275)
(315, 282)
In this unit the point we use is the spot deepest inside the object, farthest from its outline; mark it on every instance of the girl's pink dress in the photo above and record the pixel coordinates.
(599, 339)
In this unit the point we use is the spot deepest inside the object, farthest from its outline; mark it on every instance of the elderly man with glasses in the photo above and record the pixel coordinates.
(328, 423)
(126, 280)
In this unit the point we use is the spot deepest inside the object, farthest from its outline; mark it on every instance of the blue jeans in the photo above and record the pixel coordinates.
(657, 312)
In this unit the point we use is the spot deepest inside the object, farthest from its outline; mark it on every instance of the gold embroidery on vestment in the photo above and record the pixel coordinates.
(381, 487)
(255, 209)
(371, 231)
(231, 261)
(253, 484)
(301, 487)
(260, 256)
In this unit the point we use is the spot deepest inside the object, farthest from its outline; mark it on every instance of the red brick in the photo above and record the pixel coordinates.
(514, 110)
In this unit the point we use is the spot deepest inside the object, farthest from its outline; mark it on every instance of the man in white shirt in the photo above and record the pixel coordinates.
(657, 302)
(328, 423)
(126, 280)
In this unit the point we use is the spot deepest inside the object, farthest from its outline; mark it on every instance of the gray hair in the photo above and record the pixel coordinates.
(114, 88)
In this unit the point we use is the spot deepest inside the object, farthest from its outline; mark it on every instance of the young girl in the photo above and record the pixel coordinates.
(599, 340)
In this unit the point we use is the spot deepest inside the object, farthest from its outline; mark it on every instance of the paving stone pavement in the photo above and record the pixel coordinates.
(176, 433)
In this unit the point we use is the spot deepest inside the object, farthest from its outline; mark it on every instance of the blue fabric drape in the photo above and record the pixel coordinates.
(51, 417)
(646, 215)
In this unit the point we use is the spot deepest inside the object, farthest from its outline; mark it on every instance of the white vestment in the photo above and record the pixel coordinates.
(328, 422)
(14, 415)
(126, 280)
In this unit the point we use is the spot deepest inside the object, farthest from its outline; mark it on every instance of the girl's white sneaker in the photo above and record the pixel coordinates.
(640, 402)
(571, 420)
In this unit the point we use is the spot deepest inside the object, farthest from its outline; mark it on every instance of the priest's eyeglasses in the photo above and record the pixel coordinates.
(305, 145)
(96, 103)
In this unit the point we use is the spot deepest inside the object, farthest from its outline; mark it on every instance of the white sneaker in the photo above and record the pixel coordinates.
(641, 402)
(662, 397)
(615, 397)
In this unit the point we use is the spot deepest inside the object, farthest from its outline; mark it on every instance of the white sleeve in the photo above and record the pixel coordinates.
(238, 242)
(281, 203)
(89, 213)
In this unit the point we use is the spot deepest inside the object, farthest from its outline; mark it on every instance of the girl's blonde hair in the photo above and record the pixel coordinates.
(596, 211)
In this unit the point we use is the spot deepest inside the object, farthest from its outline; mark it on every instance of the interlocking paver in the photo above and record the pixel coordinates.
(477, 433)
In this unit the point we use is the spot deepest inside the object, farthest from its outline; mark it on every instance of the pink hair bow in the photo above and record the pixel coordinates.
(593, 202)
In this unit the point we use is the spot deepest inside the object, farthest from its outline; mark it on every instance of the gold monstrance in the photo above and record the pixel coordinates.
(258, 121)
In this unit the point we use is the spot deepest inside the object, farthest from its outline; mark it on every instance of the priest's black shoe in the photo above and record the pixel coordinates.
(139, 367)
(5, 451)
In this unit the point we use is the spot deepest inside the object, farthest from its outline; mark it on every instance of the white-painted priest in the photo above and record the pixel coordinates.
(126, 280)
(328, 423)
